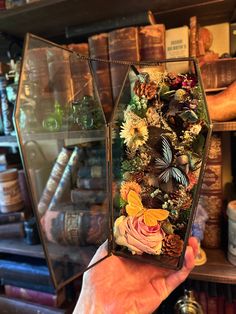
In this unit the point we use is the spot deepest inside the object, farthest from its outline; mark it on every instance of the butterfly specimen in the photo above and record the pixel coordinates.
(150, 216)
(166, 166)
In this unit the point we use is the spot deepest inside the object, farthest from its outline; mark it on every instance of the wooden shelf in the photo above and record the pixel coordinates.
(217, 268)
(69, 137)
(49, 18)
(19, 247)
(224, 126)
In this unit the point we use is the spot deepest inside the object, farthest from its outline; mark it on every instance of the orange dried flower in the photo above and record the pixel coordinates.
(128, 186)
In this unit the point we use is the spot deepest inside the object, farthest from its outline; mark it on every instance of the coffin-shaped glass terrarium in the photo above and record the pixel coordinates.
(132, 177)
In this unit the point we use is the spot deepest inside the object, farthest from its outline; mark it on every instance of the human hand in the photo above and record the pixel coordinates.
(120, 285)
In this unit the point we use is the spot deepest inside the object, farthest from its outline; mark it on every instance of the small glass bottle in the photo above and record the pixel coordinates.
(187, 304)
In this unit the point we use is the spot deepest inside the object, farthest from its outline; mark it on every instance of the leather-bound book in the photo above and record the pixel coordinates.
(15, 217)
(152, 42)
(12, 230)
(124, 46)
(37, 82)
(193, 37)
(212, 304)
(80, 71)
(98, 49)
(211, 193)
(13, 305)
(60, 76)
(25, 194)
(50, 299)
(218, 74)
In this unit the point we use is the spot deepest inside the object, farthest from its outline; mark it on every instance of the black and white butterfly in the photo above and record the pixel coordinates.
(166, 167)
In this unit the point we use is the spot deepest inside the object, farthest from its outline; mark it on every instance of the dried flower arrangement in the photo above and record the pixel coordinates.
(163, 133)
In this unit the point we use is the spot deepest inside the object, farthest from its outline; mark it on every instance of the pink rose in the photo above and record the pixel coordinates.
(138, 237)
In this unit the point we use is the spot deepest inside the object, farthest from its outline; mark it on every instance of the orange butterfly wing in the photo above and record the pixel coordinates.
(135, 205)
(151, 216)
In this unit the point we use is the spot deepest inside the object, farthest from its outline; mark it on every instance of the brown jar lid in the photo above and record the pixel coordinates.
(8, 175)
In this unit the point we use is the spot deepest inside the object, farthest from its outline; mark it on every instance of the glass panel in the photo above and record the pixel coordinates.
(62, 133)
(160, 135)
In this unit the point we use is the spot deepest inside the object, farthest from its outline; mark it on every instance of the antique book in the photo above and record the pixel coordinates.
(177, 46)
(67, 180)
(11, 217)
(152, 42)
(218, 74)
(98, 49)
(23, 271)
(91, 196)
(90, 183)
(12, 230)
(12, 305)
(212, 298)
(50, 299)
(80, 71)
(193, 36)
(25, 193)
(211, 197)
(124, 46)
(59, 74)
(53, 180)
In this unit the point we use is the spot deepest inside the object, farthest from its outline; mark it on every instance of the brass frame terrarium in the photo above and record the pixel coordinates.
(133, 178)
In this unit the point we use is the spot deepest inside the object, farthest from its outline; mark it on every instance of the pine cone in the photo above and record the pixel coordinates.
(172, 245)
(137, 176)
(145, 89)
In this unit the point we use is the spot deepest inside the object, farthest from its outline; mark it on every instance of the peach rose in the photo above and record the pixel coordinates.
(138, 237)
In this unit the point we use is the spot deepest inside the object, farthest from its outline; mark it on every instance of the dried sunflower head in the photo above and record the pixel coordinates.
(126, 187)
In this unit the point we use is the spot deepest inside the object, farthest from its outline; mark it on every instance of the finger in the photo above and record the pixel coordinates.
(193, 242)
(176, 278)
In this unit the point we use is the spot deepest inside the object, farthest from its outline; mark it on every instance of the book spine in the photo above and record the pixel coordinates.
(92, 183)
(6, 108)
(193, 37)
(123, 45)
(12, 230)
(211, 197)
(53, 180)
(152, 42)
(66, 179)
(12, 305)
(23, 271)
(60, 76)
(11, 217)
(81, 228)
(88, 196)
(38, 76)
(98, 49)
(44, 298)
(25, 193)
(80, 72)
(28, 284)
(219, 73)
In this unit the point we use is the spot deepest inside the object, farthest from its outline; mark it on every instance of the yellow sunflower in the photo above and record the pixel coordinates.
(126, 187)
(134, 133)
